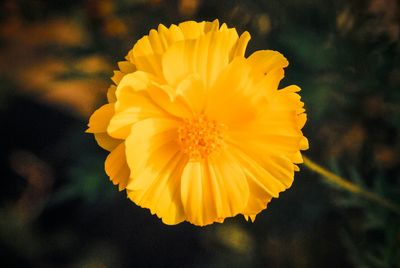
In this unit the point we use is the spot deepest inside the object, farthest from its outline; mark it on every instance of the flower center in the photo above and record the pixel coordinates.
(200, 136)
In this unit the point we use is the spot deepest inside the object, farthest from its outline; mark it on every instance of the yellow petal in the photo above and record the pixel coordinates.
(146, 54)
(211, 26)
(193, 92)
(151, 144)
(228, 101)
(111, 97)
(142, 107)
(179, 61)
(155, 159)
(205, 56)
(126, 67)
(297, 158)
(145, 58)
(117, 77)
(162, 196)
(241, 45)
(173, 34)
(116, 167)
(274, 152)
(301, 120)
(304, 144)
(99, 120)
(106, 142)
(266, 60)
(133, 104)
(192, 29)
(290, 99)
(268, 84)
(213, 190)
(163, 96)
(156, 43)
(98, 124)
(264, 182)
(161, 99)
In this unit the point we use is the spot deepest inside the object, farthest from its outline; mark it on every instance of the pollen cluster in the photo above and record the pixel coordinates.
(200, 136)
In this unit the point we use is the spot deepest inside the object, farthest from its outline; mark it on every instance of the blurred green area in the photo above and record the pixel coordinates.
(57, 207)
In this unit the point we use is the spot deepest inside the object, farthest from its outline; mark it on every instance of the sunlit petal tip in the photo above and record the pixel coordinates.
(214, 25)
(292, 88)
(301, 120)
(304, 144)
(242, 44)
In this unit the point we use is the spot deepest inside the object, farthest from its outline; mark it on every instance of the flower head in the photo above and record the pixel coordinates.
(196, 131)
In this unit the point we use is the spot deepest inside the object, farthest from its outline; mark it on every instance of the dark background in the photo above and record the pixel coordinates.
(57, 207)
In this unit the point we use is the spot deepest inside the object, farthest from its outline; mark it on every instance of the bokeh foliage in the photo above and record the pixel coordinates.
(57, 207)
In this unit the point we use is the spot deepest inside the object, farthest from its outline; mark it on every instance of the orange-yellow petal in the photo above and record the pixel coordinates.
(98, 123)
(99, 120)
(106, 142)
(192, 92)
(111, 97)
(205, 56)
(266, 60)
(228, 101)
(156, 162)
(116, 167)
(266, 179)
(241, 45)
(214, 189)
(162, 196)
(133, 104)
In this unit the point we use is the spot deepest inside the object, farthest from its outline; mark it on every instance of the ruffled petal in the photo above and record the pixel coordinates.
(241, 45)
(116, 167)
(266, 60)
(266, 178)
(213, 190)
(192, 92)
(133, 104)
(229, 101)
(126, 67)
(145, 58)
(98, 123)
(111, 97)
(164, 96)
(106, 142)
(205, 56)
(99, 120)
(162, 196)
(156, 162)
(192, 29)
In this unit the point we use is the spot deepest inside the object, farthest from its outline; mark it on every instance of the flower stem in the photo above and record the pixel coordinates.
(349, 186)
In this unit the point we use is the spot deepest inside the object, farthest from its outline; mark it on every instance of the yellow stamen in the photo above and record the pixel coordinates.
(200, 136)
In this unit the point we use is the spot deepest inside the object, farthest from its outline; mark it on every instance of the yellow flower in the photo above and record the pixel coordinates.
(196, 131)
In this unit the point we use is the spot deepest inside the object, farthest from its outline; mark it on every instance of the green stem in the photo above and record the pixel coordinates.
(349, 186)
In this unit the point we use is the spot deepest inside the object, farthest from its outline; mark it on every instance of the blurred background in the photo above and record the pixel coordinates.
(57, 207)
